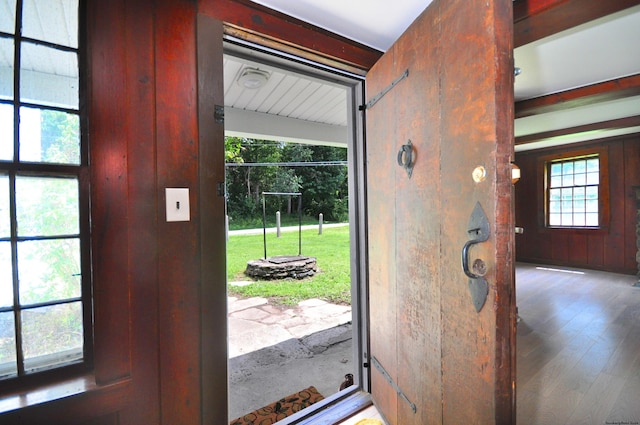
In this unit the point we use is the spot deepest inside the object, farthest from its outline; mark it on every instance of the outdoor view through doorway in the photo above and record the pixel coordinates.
(290, 137)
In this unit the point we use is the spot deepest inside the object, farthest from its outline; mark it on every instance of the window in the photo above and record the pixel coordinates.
(44, 273)
(574, 192)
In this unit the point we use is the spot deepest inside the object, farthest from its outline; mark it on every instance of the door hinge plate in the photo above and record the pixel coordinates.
(218, 114)
(395, 386)
(384, 91)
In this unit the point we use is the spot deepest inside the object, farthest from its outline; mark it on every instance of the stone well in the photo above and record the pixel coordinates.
(282, 267)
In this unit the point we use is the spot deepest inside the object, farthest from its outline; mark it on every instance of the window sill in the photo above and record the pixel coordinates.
(576, 230)
(81, 390)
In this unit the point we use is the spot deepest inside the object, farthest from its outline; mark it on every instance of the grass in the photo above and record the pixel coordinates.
(331, 249)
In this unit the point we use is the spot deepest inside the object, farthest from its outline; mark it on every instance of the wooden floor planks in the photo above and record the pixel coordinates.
(578, 347)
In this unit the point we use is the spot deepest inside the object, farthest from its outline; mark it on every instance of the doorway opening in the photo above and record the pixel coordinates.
(292, 127)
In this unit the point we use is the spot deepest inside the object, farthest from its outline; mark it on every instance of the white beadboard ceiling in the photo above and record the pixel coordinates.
(601, 50)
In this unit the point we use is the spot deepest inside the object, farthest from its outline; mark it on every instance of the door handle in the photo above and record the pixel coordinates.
(405, 157)
(479, 231)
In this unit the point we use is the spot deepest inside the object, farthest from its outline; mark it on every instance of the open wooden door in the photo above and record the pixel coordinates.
(439, 145)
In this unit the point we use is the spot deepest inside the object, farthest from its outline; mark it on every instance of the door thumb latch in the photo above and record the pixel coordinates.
(478, 229)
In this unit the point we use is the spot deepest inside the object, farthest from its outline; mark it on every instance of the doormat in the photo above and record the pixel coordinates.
(280, 409)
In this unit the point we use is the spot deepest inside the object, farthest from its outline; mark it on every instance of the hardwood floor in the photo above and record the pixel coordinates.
(578, 347)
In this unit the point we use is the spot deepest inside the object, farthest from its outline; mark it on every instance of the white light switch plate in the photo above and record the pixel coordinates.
(177, 204)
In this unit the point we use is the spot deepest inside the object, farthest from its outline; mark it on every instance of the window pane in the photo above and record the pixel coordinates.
(556, 169)
(556, 181)
(578, 220)
(8, 364)
(567, 168)
(593, 165)
(5, 230)
(554, 207)
(49, 76)
(592, 219)
(578, 192)
(47, 206)
(567, 194)
(554, 194)
(592, 206)
(567, 219)
(579, 166)
(591, 192)
(6, 132)
(593, 178)
(6, 68)
(580, 179)
(48, 270)
(49, 136)
(567, 180)
(6, 282)
(60, 18)
(578, 206)
(52, 335)
(554, 219)
(8, 16)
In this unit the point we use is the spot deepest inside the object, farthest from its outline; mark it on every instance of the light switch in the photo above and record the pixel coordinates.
(177, 204)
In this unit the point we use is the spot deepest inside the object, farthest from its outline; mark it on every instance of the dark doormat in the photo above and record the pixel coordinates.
(280, 409)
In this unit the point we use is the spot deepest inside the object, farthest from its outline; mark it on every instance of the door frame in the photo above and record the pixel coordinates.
(356, 158)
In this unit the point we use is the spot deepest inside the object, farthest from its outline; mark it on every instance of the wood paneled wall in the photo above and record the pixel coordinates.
(159, 287)
(613, 249)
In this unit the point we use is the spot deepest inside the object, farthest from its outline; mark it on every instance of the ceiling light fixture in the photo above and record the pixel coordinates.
(253, 78)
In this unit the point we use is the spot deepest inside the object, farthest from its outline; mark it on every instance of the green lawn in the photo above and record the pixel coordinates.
(331, 249)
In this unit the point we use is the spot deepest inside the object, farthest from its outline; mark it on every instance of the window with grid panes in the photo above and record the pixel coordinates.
(44, 272)
(573, 192)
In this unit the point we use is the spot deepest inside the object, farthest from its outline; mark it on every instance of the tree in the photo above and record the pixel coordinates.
(324, 188)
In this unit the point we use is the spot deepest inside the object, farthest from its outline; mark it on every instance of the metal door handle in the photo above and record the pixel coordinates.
(465, 258)
(478, 228)
(405, 157)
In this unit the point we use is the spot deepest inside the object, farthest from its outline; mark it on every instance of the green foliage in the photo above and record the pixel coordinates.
(60, 136)
(324, 188)
(332, 252)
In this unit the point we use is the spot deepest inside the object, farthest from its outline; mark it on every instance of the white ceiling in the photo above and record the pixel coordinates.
(601, 50)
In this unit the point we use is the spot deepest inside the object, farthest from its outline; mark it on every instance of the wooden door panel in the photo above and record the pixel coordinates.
(453, 363)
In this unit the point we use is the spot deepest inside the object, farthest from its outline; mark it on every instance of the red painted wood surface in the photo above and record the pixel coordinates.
(109, 182)
(178, 242)
(612, 249)
(619, 88)
(454, 364)
(142, 213)
(270, 24)
(536, 19)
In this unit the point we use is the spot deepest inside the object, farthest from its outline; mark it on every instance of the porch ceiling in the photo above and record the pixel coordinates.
(603, 50)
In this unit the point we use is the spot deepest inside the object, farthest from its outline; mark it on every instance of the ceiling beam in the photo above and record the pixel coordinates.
(619, 123)
(588, 95)
(536, 19)
(265, 26)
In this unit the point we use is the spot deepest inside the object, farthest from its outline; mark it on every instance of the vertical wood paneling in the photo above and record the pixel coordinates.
(611, 249)
(109, 189)
(596, 251)
(578, 249)
(178, 242)
(143, 211)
